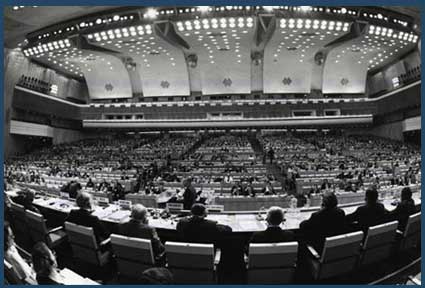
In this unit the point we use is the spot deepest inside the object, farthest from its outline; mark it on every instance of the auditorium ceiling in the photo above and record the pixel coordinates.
(169, 51)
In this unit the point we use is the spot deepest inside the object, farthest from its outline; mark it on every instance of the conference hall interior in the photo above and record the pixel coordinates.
(212, 145)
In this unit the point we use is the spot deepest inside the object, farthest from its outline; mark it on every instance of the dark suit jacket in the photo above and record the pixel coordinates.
(272, 234)
(402, 213)
(323, 223)
(368, 215)
(198, 230)
(137, 229)
(84, 218)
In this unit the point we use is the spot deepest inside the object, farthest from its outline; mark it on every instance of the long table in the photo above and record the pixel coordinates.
(239, 221)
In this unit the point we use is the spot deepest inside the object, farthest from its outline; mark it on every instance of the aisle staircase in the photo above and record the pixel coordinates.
(273, 168)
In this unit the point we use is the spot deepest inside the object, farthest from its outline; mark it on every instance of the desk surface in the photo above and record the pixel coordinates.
(249, 221)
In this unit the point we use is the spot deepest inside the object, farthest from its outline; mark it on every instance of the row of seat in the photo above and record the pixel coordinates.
(196, 263)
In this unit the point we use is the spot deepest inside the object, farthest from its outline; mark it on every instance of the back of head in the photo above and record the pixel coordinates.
(138, 212)
(29, 196)
(275, 215)
(198, 210)
(42, 259)
(371, 196)
(329, 200)
(84, 200)
(406, 194)
(157, 275)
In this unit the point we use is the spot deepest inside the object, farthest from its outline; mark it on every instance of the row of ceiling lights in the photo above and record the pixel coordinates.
(119, 33)
(55, 45)
(383, 31)
(315, 24)
(215, 23)
(153, 13)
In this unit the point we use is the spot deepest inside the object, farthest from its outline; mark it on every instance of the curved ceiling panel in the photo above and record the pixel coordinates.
(353, 59)
(99, 69)
(223, 47)
(162, 67)
(105, 74)
(289, 55)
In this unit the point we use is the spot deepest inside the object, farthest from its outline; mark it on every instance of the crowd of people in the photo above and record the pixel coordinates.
(356, 159)
(154, 161)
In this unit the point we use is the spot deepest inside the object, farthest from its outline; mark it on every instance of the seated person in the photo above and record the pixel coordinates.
(138, 227)
(370, 214)
(197, 229)
(328, 221)
(118, 192)
(90, 183)
(45, 265)
(268, 189)
(404, 209)
(22, 269)
(26, 198)
(83, 217)
(74, 189)
(273, 233)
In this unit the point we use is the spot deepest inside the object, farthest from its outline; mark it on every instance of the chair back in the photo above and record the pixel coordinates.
(19, 219)
(133, 255)
(272, 263)
(37, 227)
(83, 242)
(379, 242)
(412, 233)
(191, 263)
(340, 255)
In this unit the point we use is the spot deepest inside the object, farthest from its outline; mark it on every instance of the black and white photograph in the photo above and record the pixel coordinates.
(166, 145)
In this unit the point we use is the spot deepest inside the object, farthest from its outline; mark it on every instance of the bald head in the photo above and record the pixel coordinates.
(139, 212)
(275, 216)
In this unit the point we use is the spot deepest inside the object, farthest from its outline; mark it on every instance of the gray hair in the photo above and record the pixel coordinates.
(138, 212)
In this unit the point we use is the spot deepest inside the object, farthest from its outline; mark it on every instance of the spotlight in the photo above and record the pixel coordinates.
(203, 9)
(305, 8)
(151, 13)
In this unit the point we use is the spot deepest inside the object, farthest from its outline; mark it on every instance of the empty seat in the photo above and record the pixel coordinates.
(84, 245)
(272, 263)
(192, 263)
(133, 255)
(379, 243)
(339, 256)
(411, 236)
(39, 231)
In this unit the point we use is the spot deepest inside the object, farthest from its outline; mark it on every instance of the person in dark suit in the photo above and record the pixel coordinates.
(197, 229)
(273, 233)
(328, 221)
(74, 189)
(373, 213)
(138, 227)
(404, 209)
(189, 195)
(26, 198)
(83, 217)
